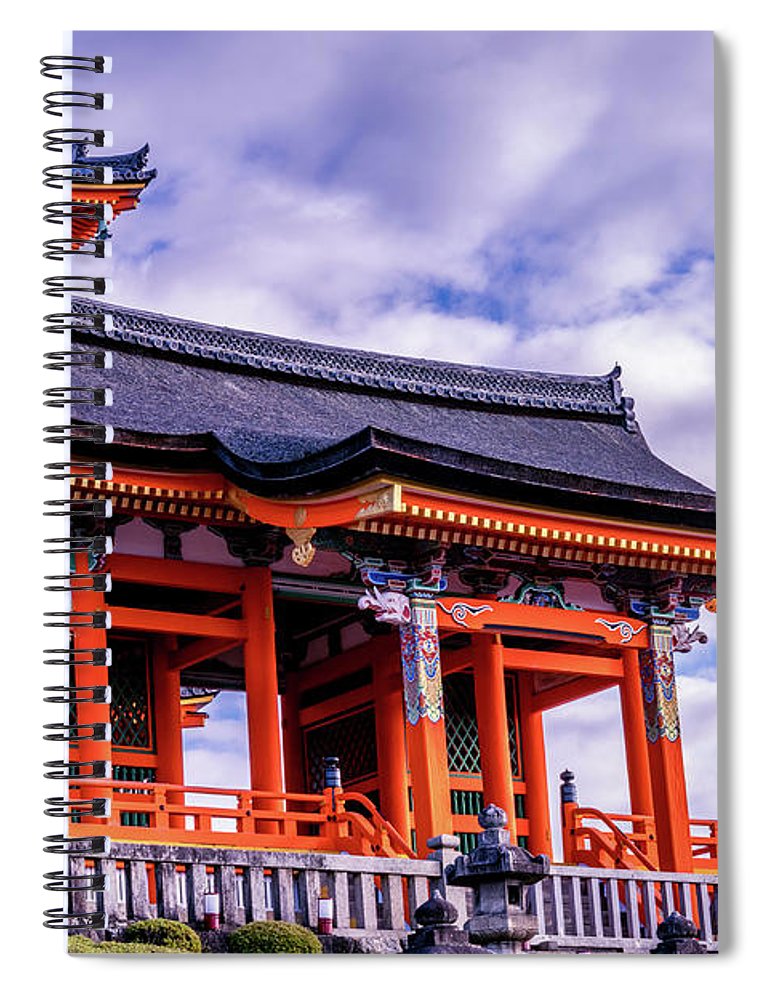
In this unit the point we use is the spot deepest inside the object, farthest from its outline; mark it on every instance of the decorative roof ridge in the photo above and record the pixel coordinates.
(414, 377)
(125, 166)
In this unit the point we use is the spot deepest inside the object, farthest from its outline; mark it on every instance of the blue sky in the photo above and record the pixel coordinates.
(530, 200)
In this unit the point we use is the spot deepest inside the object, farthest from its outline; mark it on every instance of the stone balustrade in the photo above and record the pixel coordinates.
(374, 899)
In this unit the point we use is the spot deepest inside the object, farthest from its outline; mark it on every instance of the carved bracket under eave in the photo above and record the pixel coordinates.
(352, 508)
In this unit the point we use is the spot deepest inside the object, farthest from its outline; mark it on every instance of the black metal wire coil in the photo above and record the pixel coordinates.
(97, 657)
(62, 433)
(94, 545)
(100, 583)
(78, 470)
(58, 212)
(55, 102)
(57, 361)
(64, 770)
(59, 249)
(67, 395)
(54, 66)
(57, 175)
(60, 285)
(75, 732)
(69, 323)
(65, 732)
(59, 694)
(78, 619)
(60, 881)
(60, 920)
(91, 846)
(61, 808)
(78, 508)
(57, 138)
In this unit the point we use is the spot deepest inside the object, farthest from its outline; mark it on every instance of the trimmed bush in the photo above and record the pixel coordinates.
(171, 934)
(80, 945)
(274, 936)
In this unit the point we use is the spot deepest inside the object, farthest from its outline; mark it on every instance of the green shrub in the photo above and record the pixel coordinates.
(172, 934)
(274, 936)
(80, 945)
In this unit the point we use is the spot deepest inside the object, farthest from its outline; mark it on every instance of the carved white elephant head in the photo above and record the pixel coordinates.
(389, 606)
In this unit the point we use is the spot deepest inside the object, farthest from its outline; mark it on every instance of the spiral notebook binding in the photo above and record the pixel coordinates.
(85, 543)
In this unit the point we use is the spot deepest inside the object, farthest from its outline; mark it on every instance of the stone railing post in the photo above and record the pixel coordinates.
(446, 850)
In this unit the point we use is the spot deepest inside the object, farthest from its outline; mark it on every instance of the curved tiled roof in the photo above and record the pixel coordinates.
(290, 418)
(412, 377)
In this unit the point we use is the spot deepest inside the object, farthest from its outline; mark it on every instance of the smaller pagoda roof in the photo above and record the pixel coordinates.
(126, 167)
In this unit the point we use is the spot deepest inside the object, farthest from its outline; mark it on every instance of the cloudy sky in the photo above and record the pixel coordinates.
(531, 200)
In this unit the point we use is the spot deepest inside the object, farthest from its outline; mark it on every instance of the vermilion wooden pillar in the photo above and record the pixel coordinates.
(261, 677)
(293, 773)
(391, 741)
(426, 732)
(492, 718)
(637, 759)
(168, 716)
(664, 745)
(535, 769)
(86, 676)
(168, 725)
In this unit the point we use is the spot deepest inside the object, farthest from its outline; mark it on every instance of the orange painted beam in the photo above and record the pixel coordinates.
(396, 505)
(580, 687)
(473, 614)
(366, 500)
(562, 663)
(527, 660)
(177, 623)
(173, 573)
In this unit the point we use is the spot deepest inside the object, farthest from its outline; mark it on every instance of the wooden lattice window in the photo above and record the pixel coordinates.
(352, 739)
(462, 729)
(130, 708)
(512, 707)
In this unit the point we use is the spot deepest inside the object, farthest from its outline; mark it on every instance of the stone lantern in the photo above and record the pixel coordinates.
(498, 872)
(437, 932)
(678, 936)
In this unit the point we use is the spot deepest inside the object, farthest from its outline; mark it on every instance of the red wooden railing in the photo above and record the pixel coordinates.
(595, 838)
(628, 841)
(704, 837)
(184, 814)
